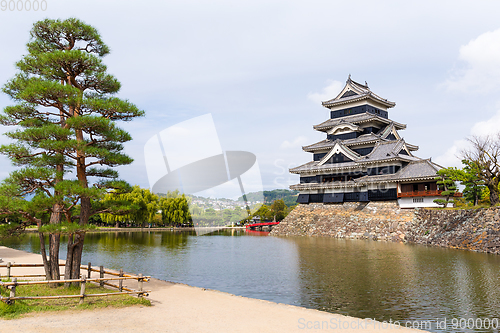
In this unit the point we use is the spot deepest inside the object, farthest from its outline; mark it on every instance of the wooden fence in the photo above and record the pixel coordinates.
(101, 280)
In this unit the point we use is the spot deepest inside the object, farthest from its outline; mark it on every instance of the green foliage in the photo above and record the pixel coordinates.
(174, 210)
(469, 177)
(289, 197)
(483, 157)
(279, 209)
(276, 211)
(64, 118)
(65, 228)
(447, 185)
(139, 205)
(64, 125)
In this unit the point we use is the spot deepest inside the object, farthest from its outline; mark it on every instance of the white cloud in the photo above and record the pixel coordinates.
(330, 91)
(481, 57)
(490, 126)
(298, 142)
(452, 156)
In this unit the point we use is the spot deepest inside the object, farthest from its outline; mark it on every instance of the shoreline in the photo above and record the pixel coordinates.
(134, 229)
(476, 230)
(178, 307)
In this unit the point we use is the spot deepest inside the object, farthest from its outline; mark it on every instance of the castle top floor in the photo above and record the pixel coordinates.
(357, 98)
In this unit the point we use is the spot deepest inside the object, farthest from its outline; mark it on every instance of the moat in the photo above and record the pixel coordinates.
(365, 279)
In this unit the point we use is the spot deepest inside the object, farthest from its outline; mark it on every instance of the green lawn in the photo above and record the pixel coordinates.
(26, 306)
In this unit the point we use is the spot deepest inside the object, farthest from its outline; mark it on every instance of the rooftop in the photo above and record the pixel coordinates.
(414, 171)
(382, 152)
(354, 91)
(360, 140)
(355, 120)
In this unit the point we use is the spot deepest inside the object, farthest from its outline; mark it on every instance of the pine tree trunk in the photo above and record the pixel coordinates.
(85, 208)
(76, 259)
(54, 242)
(69, 260)
(46, 265)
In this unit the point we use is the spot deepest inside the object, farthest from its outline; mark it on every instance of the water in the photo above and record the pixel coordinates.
(366, 279)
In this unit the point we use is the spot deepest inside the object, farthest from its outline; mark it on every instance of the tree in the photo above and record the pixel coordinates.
(65, 117)
(447, 185)
(263, 212)
(175, 208)
(138, 205)
(484, 156)
(279, 209)
(468, 176)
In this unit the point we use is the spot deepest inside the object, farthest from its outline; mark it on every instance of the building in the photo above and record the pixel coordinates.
(363, 157)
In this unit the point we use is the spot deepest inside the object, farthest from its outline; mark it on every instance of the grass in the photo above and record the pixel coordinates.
(21, 307)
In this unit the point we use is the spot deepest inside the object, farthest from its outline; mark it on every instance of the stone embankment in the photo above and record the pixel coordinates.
(476, 230)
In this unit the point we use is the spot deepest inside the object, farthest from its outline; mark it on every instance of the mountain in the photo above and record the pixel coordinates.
(289, 197)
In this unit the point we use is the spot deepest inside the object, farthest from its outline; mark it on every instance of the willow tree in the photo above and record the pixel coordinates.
(139, 205)
(65, 138)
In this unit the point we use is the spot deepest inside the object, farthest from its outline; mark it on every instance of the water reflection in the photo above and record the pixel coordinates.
(399, 282)
(359, 278)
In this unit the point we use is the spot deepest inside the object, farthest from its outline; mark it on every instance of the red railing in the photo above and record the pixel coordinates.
(429, 193)
(263, 224)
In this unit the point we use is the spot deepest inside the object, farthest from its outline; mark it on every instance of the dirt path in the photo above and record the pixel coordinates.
(181, 308)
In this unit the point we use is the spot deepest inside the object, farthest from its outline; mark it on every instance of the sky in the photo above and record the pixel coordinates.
(262, 68)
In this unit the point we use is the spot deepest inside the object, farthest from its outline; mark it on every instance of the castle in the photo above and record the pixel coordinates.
(363, 157)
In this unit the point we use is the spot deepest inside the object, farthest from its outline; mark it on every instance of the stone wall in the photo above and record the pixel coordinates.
(477, 230)
(382, 220)
(468, 229)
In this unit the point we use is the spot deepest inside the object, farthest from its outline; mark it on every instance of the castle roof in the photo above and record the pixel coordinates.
(363, 139)
(356, 119)
(418, 170)
(353, 92)
(384, 151)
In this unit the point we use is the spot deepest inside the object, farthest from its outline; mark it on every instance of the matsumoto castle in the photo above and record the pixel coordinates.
(363, 157)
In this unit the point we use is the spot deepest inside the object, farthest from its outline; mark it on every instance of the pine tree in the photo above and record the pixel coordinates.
(447, 185)
(65, 117)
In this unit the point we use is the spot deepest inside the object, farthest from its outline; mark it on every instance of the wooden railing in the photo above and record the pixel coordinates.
(428, 193)
(101, 280)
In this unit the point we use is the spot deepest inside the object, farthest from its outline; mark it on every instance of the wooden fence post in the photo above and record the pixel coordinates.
(120, 283)
(140, 282)
(13, 290)
(8, 270)
(101, 275)
(82, 289)
(89, 268)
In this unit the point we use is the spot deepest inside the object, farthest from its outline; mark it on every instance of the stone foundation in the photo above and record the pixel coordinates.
(382, 220)
(476, 230)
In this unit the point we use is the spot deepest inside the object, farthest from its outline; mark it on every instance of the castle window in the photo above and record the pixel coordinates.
(417, 200)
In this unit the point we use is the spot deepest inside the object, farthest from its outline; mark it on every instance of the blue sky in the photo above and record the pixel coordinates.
(261, 69)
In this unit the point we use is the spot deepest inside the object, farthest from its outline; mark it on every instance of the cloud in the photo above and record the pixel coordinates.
(298, 142)
(330, 91)
(490, 126)
(481, 60)
(452, 156)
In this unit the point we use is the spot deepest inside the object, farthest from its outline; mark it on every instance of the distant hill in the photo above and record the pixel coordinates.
(289, 197)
